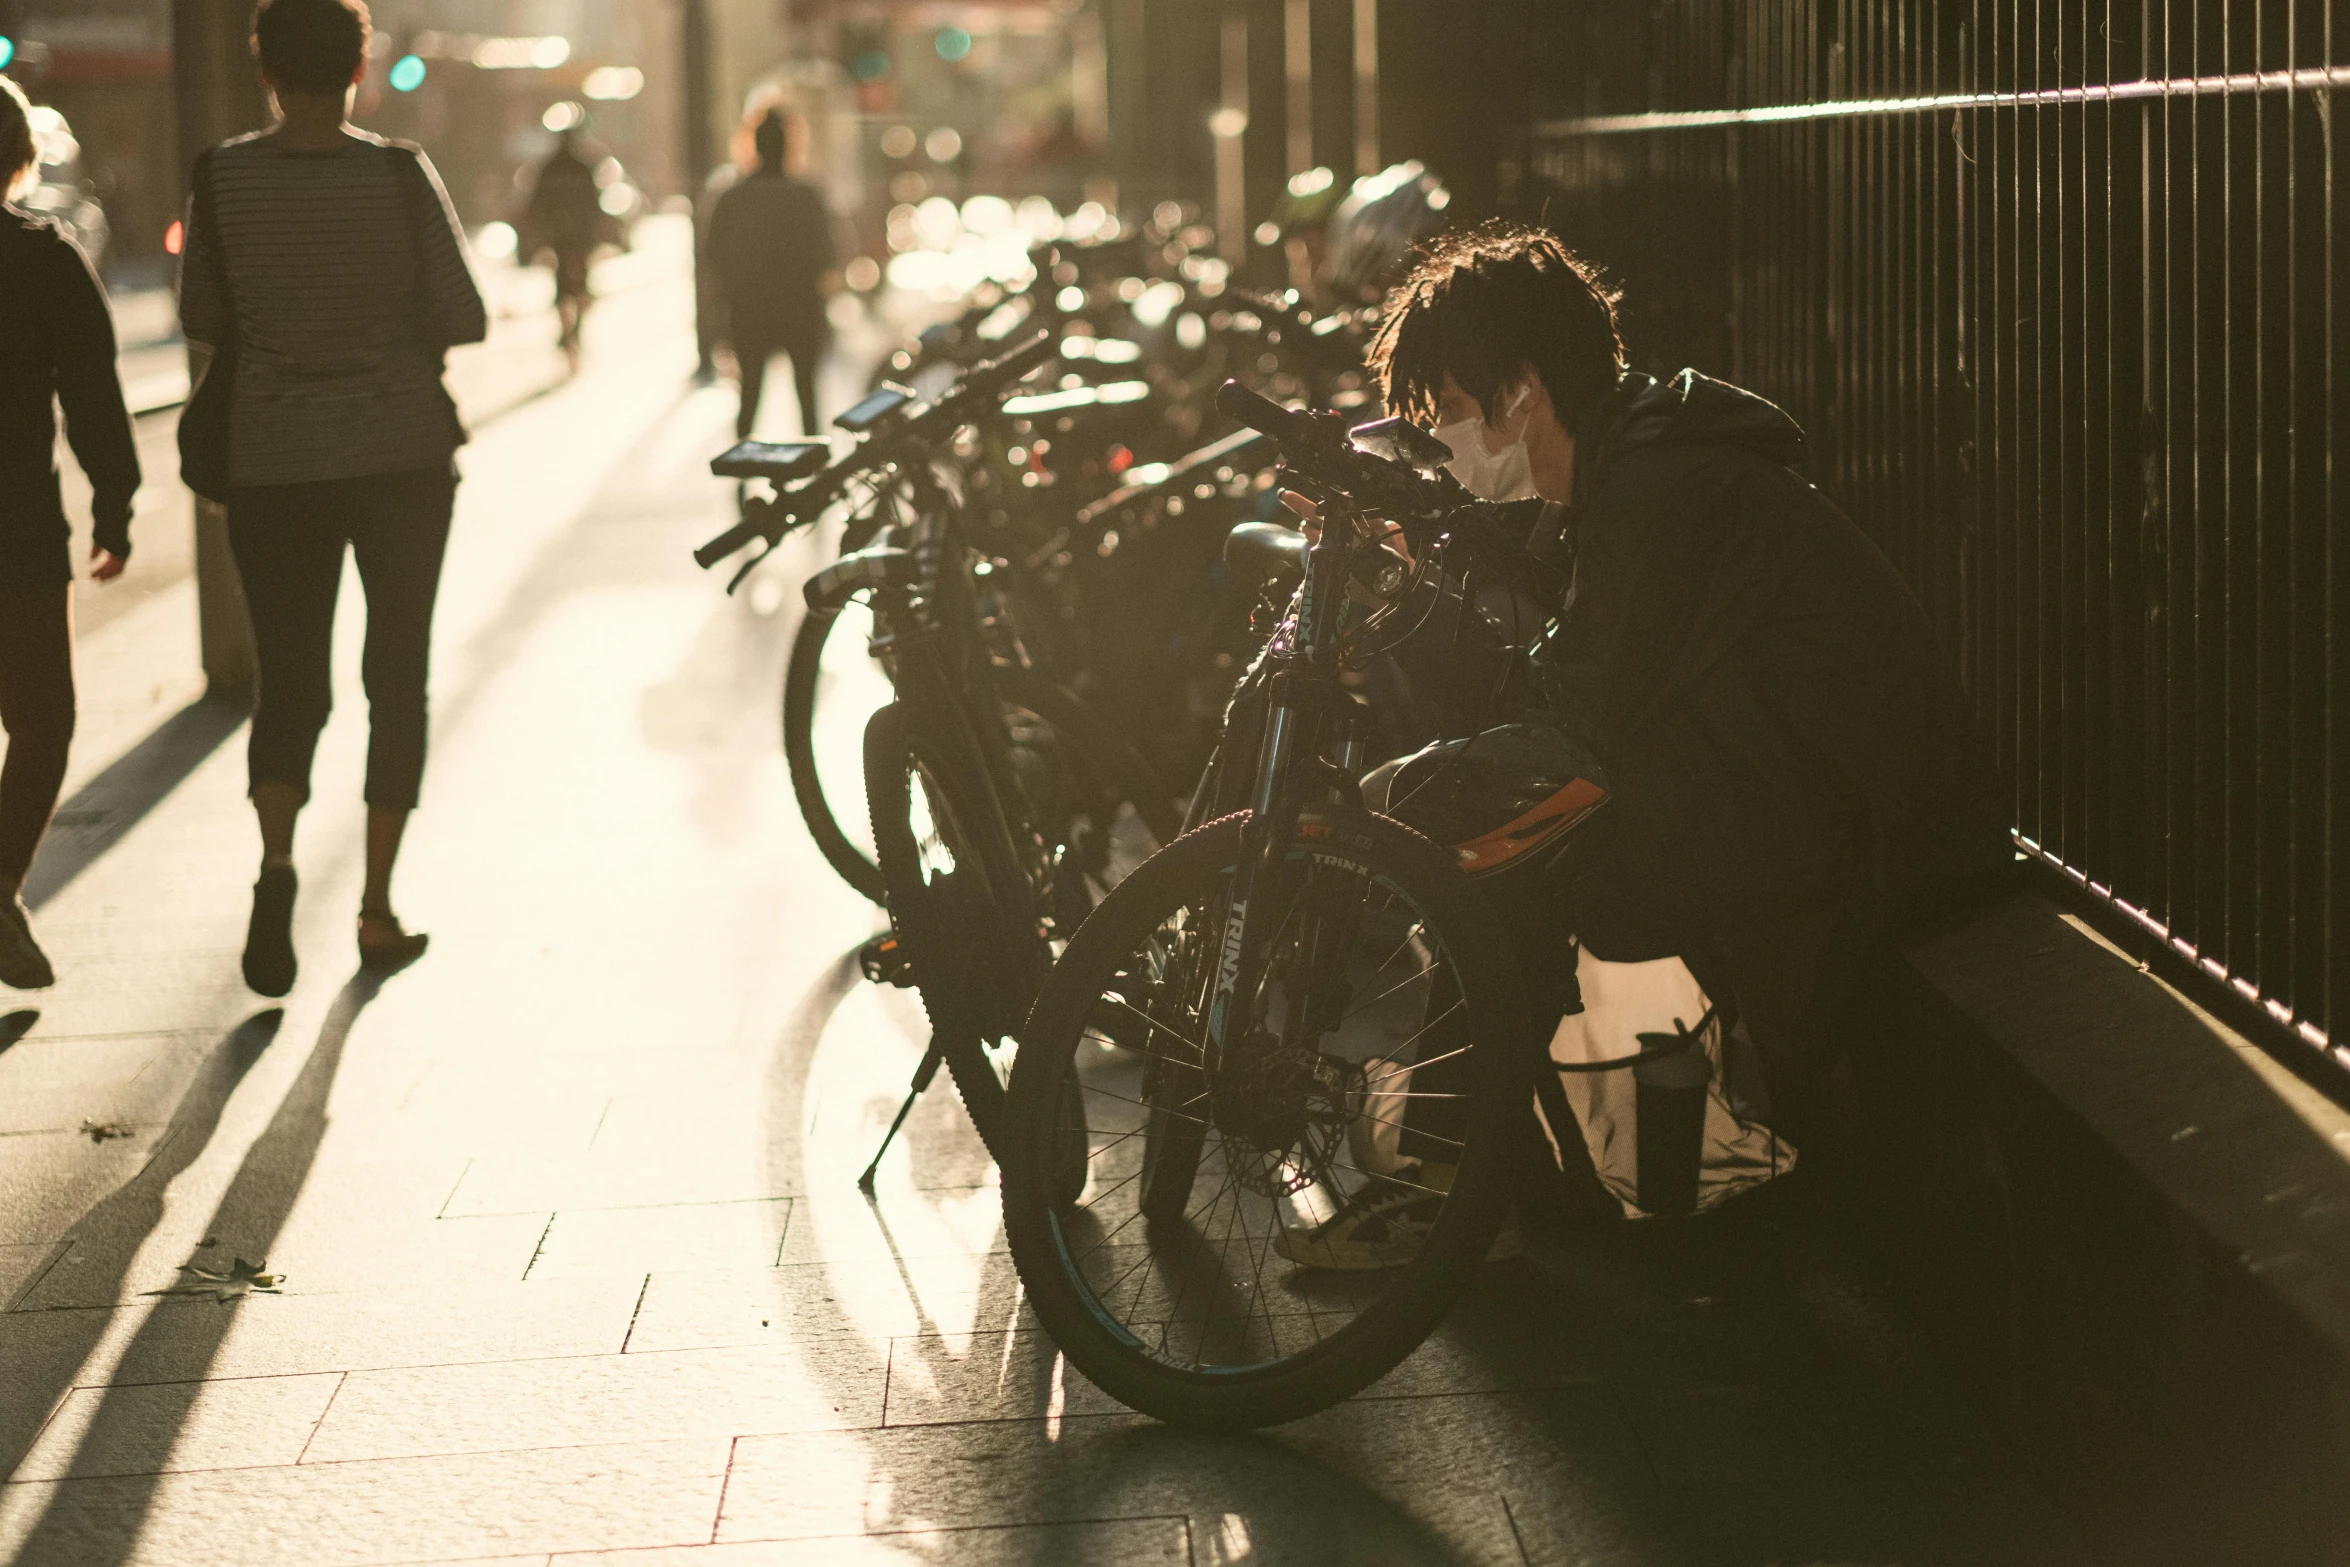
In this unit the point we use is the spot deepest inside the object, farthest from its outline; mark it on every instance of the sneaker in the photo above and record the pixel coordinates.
(1384, 1225)
(23, 965)
(269, 938)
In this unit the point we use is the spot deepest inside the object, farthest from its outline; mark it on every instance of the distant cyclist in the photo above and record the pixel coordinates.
(770, 249)
(565, 218)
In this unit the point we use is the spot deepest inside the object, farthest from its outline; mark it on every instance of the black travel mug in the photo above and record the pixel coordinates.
(1670, 1090)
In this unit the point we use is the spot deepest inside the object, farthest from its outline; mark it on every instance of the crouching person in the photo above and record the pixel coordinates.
(1789, 769)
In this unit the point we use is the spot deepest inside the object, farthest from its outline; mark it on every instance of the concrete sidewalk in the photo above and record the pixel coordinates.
(570, 1261)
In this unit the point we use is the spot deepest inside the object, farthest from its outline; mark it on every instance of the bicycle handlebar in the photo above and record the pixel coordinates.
(1321, 450)
(1316, 448)
(753, 525)
(980, 388)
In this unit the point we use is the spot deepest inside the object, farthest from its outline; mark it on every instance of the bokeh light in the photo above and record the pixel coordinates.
(407, 73)
(944, 145)
(7, 50)
(899, 141)
(564, 116)
(985, 215)
(495, 242)
(613, 83)
(871, 66)
(952, 43)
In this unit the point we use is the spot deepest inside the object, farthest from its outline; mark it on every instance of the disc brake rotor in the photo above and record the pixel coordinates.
(1283, 1112)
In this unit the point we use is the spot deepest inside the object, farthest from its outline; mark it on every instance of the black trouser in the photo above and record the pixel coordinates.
(36, 714)
(289, 541)
(751, 354)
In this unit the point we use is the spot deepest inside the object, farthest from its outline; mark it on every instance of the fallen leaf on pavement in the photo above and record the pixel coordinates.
(242, 1278)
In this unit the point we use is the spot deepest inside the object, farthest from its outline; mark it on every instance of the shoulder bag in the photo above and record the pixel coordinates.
(204, 422)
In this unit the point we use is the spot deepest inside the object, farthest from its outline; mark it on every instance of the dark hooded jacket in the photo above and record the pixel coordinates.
(1794, 769)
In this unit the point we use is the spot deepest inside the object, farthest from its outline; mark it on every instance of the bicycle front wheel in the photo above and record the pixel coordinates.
(831, 687)
(958, 897)
(1372, 1063)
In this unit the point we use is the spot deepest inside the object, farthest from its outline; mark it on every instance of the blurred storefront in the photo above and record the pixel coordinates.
(105, 65)
(486, 87)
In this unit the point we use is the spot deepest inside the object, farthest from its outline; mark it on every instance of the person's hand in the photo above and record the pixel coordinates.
(1309, 515)
(105, 565)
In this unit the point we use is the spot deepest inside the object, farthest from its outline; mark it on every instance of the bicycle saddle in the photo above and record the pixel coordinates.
(1260, 551)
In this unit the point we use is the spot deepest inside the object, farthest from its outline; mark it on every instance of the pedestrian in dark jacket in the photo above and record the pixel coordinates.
(565, 217)
(770, 249)
(1793, 767)
(338, 271)
(56, 347)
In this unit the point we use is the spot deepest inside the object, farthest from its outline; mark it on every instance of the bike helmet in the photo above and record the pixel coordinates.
(1373, 233)
(1504, 801)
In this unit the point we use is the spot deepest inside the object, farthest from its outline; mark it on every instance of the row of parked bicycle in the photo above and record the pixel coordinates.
(1195, 993)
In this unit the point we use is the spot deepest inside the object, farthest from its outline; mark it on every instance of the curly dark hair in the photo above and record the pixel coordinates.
(311, 46)
(1486, 303)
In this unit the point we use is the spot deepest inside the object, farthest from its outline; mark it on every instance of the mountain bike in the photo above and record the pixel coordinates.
(1296, 1003)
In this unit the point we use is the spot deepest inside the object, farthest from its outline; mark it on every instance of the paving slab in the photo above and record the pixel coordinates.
(1416, 1480)
(50, 1180)
(489, 1406)
(359, 1514)
(1144, 1542)
(58, 1084)
(639, 1240)
(161, 1427)
(876, 1298)
(22, 1265)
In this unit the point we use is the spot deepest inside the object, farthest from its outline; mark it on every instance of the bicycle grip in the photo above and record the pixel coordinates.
(1262, 414)
(728, 542)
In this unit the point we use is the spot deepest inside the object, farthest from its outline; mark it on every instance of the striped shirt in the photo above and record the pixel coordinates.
(346, 283)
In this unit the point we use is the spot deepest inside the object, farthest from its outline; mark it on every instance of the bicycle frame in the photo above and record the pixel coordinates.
(1302, 689)
(931, 637)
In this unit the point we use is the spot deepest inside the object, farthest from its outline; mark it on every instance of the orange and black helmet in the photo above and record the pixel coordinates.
(1505, 801)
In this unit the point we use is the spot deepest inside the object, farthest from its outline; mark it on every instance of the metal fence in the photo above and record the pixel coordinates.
(2057, 290)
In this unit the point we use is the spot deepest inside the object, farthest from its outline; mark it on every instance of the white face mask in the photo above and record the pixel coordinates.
(1506, 475)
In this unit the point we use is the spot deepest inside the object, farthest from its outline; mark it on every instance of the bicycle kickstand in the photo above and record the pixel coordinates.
(922, 1076)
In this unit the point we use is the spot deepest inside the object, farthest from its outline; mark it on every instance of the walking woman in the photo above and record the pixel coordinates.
(56, 344)
(325, 269)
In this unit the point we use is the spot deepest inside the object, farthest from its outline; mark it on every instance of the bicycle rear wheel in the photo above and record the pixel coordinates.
(1380, 1052)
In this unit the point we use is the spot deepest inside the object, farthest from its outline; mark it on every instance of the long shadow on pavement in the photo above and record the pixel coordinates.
(1784, 1408)
(112, 1234)
(106, 808)
(15, 1025)
(96, 1523)
(1343, 1495)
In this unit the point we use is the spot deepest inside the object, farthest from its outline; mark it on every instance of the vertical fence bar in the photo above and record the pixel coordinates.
(2074, 361)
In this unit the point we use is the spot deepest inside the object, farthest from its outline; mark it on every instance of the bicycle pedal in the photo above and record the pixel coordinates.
(884, 962)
